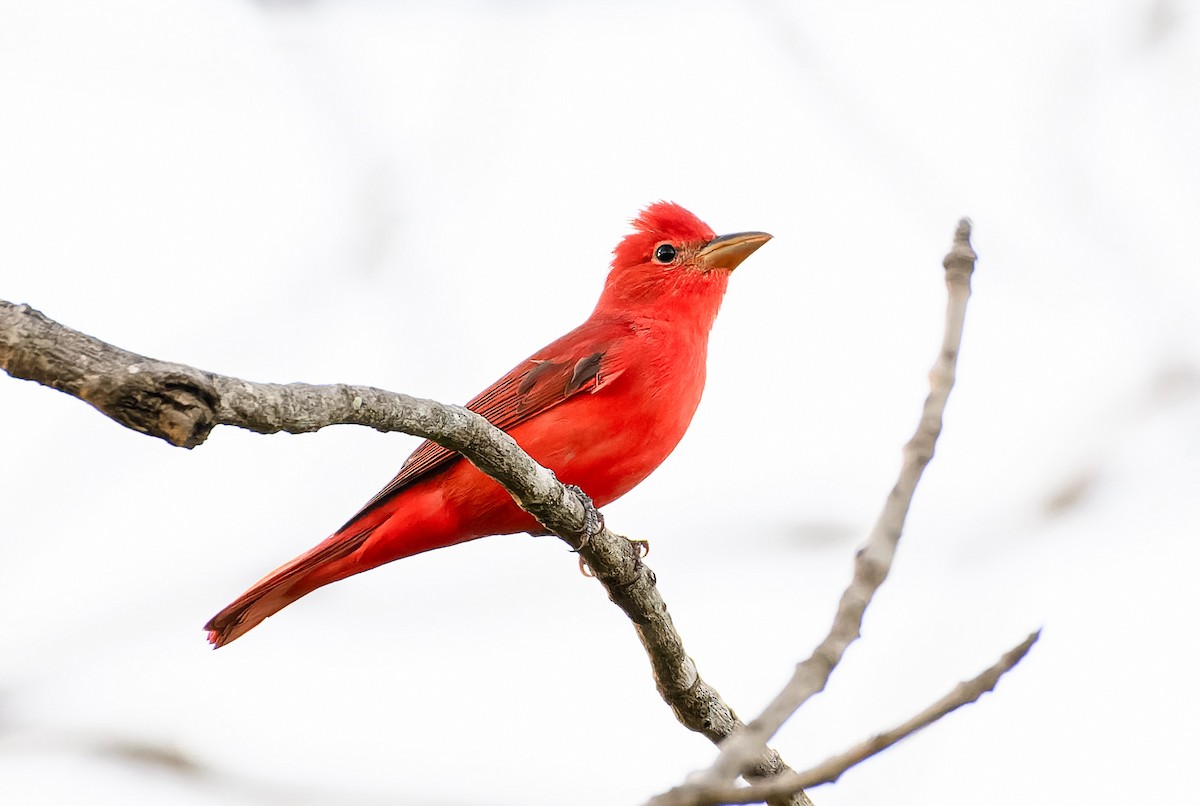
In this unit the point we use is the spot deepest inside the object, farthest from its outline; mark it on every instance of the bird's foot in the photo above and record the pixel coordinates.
(593, 524)
(593, 521)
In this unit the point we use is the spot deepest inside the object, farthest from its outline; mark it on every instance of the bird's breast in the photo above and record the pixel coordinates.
(610, 440)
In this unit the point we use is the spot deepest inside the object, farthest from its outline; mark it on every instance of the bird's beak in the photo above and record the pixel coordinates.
(728, 251)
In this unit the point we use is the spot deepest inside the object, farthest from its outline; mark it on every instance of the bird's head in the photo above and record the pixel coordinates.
(674, 256)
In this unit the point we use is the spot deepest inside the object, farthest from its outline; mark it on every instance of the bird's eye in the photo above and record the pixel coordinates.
(664, 253)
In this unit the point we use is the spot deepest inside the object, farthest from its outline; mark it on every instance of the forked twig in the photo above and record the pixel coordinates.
(832, 768)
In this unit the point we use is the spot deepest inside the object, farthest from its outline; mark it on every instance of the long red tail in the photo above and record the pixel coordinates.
(449, 507)
(327, 562)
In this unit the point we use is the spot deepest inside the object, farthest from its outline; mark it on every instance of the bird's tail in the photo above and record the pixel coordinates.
(329, 561)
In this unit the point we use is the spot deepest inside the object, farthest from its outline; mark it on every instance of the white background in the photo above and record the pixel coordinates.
(415, 197)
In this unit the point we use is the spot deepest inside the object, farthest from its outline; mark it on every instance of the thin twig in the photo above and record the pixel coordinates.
(873, 562)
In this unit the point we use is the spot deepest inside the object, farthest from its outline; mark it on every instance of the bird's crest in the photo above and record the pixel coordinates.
(661, 221)
(669, 220)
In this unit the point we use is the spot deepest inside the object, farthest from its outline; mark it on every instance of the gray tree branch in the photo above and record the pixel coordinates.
(182, 404)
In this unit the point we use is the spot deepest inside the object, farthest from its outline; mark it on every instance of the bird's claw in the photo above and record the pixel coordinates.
(586, 569)
(593, 521)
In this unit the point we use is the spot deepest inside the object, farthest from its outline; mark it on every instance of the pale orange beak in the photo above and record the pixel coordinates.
(728, 251)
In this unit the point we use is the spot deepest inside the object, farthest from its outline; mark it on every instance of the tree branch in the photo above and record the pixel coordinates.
(182, 404)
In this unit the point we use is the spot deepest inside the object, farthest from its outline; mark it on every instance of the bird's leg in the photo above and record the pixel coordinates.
(593, 524)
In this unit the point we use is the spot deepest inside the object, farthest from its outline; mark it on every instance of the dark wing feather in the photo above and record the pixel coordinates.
(537, 384)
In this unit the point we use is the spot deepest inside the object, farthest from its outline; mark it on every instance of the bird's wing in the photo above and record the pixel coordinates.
(582, 361)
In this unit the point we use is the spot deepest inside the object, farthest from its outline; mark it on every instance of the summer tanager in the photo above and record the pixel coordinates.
(602, 407)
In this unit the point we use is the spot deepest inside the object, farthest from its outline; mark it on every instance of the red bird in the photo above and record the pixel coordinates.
(602, 407)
